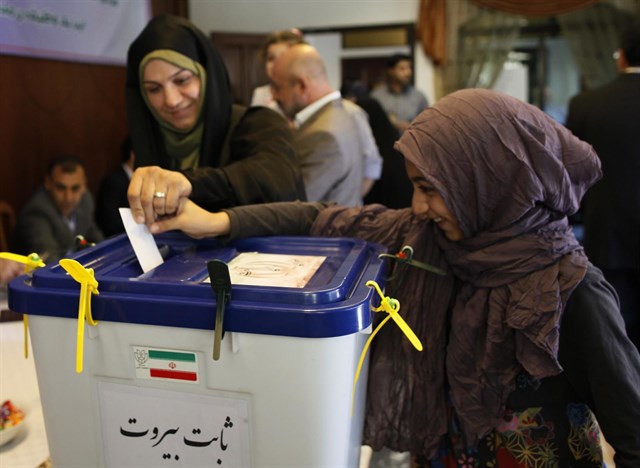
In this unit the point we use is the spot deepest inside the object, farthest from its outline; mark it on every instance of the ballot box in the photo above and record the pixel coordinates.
(150, 393)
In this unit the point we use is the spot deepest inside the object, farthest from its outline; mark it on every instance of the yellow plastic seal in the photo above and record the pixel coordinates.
(88, 286)
(31, 262)
(392, 307)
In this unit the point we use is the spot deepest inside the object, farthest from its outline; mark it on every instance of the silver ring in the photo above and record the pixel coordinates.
(159, 195)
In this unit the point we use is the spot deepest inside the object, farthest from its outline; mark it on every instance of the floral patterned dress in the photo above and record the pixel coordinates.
(555, 434)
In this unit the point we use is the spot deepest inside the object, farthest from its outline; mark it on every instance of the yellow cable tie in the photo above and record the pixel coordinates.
(390, 306)
(88, 286)
(31, 262)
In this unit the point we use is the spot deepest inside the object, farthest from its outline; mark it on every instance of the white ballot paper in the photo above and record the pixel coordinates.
(142, 241)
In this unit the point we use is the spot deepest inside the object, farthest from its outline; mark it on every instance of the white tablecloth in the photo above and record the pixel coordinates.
(18, 383)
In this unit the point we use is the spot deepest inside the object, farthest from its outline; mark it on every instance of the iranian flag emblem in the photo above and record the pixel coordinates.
(165, 364)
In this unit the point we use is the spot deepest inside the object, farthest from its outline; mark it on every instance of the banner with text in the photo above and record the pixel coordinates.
(95, 31)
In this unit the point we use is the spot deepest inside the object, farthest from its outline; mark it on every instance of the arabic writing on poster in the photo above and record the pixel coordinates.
(97, 31)
(262, 269)
(151, 427)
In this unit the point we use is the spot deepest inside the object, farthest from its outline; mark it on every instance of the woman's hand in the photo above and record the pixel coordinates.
(155, 192)
(193, 221)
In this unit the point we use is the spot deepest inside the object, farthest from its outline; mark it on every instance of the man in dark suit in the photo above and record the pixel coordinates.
(609, 118)
(57, 213)
(338, 156)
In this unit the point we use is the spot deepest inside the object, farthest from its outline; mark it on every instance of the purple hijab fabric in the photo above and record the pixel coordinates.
(511, 176)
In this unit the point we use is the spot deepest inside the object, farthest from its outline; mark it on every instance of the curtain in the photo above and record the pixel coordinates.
(436, 35)
(484, 43)
(593, 35)
(431, 30)
(457, 12)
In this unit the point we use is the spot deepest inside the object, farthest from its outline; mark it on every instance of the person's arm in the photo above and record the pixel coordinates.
(367, 185)
(603, 365)
(372, 158)
(283, 218)
(374, 223)
(263, 166)
(290, 218)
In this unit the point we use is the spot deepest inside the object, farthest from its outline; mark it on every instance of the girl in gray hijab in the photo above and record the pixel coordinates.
(524, 343)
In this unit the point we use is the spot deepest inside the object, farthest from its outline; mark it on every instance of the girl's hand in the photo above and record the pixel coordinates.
(193, 221)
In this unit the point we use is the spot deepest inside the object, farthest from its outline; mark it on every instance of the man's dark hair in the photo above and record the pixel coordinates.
(630, 43)
(67, 162)
(395, 58)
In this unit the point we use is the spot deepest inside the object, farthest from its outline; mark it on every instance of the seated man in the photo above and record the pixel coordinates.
(57, 213)
(338, 155)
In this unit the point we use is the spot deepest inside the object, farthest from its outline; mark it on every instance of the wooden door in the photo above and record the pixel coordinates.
(242, 54)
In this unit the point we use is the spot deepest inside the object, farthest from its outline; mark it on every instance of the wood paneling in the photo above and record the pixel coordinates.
(52, 107)
(241, 54)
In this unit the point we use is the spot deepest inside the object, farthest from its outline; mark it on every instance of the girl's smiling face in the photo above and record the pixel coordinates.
(428, 202)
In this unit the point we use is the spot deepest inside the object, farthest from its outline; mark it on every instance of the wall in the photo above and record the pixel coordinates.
(263, 16)
(51, 107)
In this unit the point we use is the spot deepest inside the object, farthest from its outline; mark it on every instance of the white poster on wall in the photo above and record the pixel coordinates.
(95, 31)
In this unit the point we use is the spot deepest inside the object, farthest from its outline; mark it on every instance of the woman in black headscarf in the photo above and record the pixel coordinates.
(523, 338)
(182, 118)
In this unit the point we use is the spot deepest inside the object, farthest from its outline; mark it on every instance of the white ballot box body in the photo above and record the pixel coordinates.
(150, 393)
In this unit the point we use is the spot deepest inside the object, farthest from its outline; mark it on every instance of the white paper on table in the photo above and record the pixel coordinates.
(142, 241)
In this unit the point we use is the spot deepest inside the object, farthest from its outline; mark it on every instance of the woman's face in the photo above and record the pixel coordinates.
(173, 93)
(273, 52)
(428, 202)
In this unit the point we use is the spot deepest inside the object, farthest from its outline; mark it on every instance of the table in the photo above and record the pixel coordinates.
(18, 383)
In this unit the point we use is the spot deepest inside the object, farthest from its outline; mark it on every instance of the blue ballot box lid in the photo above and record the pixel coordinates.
(334, 302)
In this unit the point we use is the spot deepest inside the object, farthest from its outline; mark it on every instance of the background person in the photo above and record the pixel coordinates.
(607, 117)
(336, 149)
(181, 118)
(393, 188)
(398, 97)
(58, 212)
(275, 43)
(524, 338)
